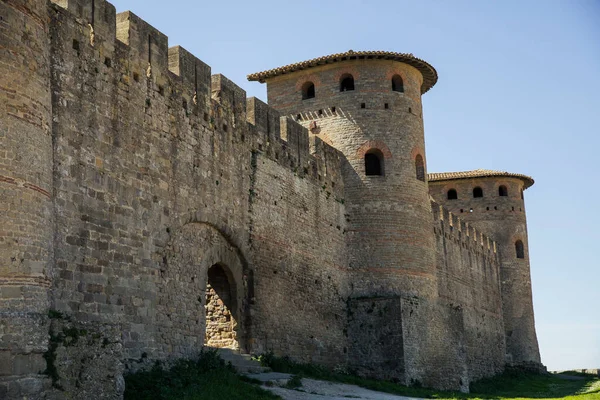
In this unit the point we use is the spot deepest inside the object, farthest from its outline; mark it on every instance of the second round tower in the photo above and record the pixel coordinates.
(493, 202)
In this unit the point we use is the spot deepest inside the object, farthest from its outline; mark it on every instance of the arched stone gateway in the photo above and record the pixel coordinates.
(203, 275)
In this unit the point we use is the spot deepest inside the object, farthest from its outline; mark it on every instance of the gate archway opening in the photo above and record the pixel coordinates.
(221, 309)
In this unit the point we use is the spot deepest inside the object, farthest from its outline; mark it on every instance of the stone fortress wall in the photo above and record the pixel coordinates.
(130, 174)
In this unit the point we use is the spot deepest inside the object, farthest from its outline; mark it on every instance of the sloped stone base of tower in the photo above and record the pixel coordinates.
(375, 336)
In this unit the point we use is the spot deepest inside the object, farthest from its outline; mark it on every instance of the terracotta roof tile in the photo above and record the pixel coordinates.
(429, 73)
(478, 173)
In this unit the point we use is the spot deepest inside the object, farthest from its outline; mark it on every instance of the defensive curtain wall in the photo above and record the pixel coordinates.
(152, 171)
(150, 208)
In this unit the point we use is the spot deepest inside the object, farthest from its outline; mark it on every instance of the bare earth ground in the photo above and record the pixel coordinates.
(321, 390)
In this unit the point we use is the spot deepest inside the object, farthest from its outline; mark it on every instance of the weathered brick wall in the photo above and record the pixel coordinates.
(468, 277)
(297, 244)
(503, 219)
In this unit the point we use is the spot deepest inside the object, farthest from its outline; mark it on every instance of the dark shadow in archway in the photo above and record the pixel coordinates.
(221, 309)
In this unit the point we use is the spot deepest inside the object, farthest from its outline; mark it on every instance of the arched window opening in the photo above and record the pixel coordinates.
(522, 194)
(503, 191)
(397, 84)
(308, 91)
(452, 194)
(346, 83)
(220, 309)
(374, 162)
(520, 250)
(420, 168)
(478, 192)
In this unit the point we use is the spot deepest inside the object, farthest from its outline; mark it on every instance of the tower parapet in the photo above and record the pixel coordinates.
(493, 201)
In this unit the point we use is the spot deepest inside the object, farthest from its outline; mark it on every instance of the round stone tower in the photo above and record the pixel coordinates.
(25, 195)
(493, 202)
(368, 106)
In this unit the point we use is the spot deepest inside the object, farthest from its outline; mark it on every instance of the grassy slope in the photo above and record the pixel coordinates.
(207, 378)
(533, 386)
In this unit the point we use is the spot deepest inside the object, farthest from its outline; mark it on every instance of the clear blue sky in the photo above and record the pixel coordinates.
(518, 90)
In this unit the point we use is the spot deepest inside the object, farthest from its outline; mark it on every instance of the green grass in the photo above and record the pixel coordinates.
(509, 385)
(513, 385)
(207, 378)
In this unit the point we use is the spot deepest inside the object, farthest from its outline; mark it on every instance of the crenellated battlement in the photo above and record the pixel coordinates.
(446, 223)
(195, 81)
(138, 53)
(98, 13)
(288, 142)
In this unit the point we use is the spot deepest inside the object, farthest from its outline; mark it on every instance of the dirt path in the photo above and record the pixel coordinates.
(321, 390)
